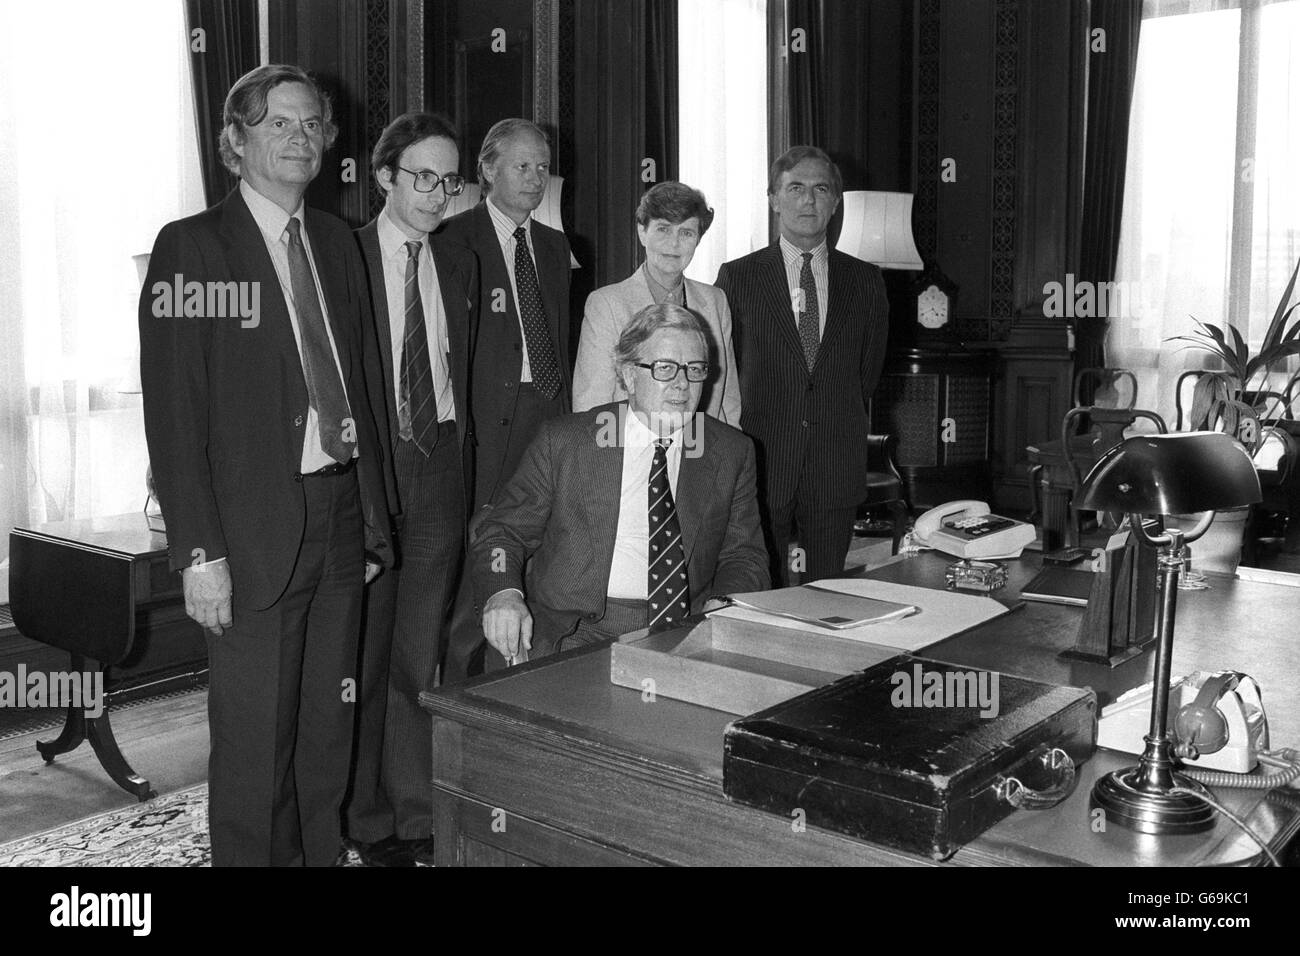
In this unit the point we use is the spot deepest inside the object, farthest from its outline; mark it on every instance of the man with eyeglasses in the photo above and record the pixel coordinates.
(422, 291)
(521, 375)
(269, 467)
(634, 514)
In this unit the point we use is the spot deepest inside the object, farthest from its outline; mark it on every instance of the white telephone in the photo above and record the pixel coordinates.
(966, 529)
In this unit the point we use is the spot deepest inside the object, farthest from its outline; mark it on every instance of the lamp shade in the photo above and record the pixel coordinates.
(1177, 474)
(878, 229)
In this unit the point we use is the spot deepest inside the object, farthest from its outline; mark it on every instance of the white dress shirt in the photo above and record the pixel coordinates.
(793, 256)
(628, 569)
(393, 254)
(273, 223)
(505, 227)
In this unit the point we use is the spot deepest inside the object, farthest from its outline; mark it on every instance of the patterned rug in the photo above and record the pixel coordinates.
(170, 830)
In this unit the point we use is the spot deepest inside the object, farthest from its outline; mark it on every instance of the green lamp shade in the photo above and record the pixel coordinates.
(1178, 474)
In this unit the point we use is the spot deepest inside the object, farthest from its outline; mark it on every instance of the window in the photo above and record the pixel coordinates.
(1211, 223)
(97, 152)
(722, 115)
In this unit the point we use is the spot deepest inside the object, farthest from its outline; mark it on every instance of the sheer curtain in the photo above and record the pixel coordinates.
(722, 119)
(97, 152)
(1211, 223)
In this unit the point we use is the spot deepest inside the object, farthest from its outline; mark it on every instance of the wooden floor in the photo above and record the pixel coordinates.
(166, 741)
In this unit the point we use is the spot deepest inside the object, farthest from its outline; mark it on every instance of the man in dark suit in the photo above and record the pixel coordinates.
(521, 375)
(421, 292)
(810, 325)
(269, 469)
(634, 514)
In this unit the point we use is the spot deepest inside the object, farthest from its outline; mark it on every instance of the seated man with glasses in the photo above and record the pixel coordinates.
(634, 514)
(423, 297)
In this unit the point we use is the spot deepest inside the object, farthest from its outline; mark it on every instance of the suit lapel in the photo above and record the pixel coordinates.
(331, 270)
(776, 290)
(838, 315)
(695, 484)
(246, 253)
(456, 309)
(605, 488)
(369, 239)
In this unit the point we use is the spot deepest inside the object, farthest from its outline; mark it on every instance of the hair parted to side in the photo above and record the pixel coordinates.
(407, 130)
(674, 202)
(246, 106)
(496, 138)
(795, 155)
(652, 319)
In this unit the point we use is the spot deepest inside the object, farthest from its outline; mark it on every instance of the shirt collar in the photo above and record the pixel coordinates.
(270, 218)
(794, 255)
(637, 435)
(504, 224)
(392, 241)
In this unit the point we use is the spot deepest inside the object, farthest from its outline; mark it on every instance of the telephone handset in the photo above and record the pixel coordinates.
(966, 529)
(1217, 720)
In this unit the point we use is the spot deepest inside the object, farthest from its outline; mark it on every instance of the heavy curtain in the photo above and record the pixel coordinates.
(230, 49)
(661, 85)
(1112, 69)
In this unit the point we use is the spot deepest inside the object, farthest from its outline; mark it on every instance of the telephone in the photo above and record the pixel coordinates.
(966, 529)
(1217, 720)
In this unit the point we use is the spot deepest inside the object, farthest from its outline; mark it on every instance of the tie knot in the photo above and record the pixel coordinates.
(521, 234)
(294, 228)
(663, 443)
(412, 250)
(807, 257)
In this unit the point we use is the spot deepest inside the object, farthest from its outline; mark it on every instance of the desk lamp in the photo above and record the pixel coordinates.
(1160, 475)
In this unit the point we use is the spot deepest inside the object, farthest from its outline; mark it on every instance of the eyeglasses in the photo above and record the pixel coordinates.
(662, 370)
(426, 181)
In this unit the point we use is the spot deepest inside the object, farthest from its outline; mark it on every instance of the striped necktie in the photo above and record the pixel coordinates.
(417, 413)
(666, 585)
(320, 370)
(810, 316)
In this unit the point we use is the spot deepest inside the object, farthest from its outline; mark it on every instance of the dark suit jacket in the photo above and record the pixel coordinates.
(225, 405)
(790, 413)
(458, 283)
(561, 508)
(498, 351)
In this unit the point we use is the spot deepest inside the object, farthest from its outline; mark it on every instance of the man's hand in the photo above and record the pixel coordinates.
(372, 570)
(508, 624)
(207, 595)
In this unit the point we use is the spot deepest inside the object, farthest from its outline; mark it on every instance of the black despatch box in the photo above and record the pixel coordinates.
(912, 753)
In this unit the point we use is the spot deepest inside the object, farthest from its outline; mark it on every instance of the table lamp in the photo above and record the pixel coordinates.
(1161, 475)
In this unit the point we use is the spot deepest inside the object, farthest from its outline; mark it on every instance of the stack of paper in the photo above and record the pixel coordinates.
(938, 614)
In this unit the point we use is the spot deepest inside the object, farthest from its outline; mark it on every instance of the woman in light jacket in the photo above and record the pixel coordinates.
(670, 221)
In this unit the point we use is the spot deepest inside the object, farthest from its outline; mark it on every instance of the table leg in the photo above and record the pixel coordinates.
(77, 727)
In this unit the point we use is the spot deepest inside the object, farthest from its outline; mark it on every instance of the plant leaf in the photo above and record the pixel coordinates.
(1275, 327)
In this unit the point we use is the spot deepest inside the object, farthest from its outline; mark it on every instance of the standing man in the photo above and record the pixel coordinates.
(268, 466)
(810, 325)
(421, 293)
(521, 374)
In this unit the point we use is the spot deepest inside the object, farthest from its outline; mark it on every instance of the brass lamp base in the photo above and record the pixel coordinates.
(1151, 811)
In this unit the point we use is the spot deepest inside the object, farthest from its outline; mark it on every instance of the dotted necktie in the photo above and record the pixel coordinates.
(417, 412)
(666, 564)
(810, 317)
(324, 386)
(541, 351)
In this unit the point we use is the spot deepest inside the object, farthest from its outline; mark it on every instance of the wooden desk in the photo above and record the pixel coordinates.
(550, 763)
(101, 589)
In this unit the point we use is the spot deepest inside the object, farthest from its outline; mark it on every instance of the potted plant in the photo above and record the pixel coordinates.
(1237, 399)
